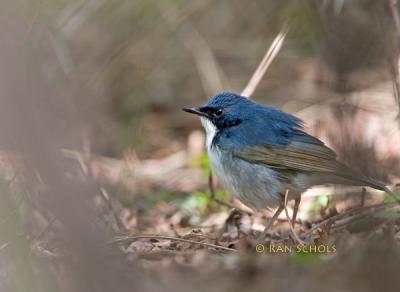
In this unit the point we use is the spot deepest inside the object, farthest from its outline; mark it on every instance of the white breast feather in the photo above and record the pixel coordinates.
(211, 131)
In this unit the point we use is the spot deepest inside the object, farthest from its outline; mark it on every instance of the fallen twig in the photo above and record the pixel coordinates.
(348, 213)
(134, 238)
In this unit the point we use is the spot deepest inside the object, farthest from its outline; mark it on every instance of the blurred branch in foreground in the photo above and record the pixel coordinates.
(34, 124)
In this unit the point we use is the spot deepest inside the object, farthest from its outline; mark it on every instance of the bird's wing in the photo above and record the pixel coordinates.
(301, 156)
(297, 156)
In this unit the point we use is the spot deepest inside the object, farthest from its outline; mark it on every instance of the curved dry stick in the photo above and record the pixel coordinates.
(134, 238)
(266, 61)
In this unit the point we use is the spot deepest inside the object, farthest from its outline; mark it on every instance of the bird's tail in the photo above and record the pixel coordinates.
(376, 184)
(362, 180)
(380, 186)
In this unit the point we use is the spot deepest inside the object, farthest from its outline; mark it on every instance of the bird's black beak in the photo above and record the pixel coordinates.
(196, 111)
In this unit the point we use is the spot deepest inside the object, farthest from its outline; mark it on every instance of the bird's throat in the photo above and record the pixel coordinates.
(211, 131)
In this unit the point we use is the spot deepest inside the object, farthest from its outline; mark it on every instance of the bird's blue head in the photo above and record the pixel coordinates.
(224, 110)
(246, 122)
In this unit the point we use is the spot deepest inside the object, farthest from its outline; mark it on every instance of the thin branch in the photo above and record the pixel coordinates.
(111, 209)
(348, 213)
(266, 61)
(134, 238)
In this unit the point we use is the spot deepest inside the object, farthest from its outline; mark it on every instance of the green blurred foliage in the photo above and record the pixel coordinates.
(202, 202)
(198, 201)
(203, 163)
(322, 201)
(391, 198)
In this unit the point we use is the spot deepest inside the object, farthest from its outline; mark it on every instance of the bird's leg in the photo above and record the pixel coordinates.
(271, 221)
(297, 238)
(295, 210)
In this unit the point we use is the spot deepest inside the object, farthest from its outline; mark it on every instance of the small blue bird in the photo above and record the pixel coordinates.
(259, 152)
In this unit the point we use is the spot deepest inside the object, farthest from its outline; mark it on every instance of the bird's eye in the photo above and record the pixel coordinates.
(218, 112)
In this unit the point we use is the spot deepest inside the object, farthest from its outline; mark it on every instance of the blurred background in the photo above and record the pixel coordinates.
(95, 151)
